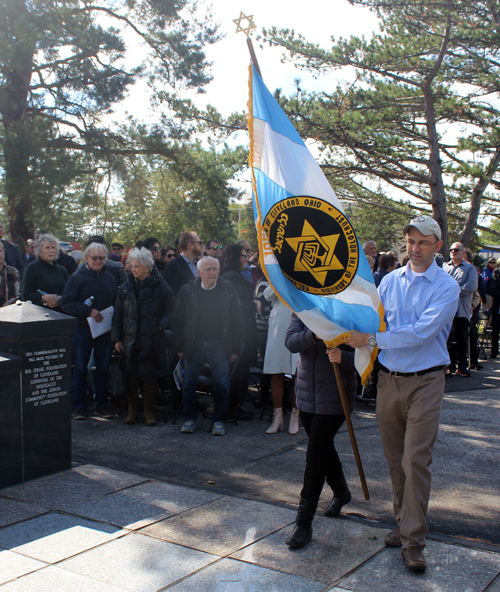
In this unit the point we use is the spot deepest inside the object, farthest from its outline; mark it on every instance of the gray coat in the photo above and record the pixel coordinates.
(316, 387)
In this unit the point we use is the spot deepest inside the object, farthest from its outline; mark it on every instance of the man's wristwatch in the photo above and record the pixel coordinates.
(372, 340)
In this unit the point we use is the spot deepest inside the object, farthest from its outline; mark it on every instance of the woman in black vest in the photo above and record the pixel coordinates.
(322, 415)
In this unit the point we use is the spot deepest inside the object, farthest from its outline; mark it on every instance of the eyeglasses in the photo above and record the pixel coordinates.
(454, 250)
(419, 243)
(116, 249)
(156, 248)
(95, 258)
(248, 250)
(214, 248)
(171, 255)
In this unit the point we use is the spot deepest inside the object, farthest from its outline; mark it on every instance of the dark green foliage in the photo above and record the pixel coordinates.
(420, 113)
(63, 65)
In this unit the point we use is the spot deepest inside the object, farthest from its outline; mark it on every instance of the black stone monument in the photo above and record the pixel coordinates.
(36, 429)
(11, 441)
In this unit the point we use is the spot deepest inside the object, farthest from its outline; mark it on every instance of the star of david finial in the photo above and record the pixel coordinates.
(247, 30)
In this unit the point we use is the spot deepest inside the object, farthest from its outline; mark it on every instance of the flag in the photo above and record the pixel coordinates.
(309, 250)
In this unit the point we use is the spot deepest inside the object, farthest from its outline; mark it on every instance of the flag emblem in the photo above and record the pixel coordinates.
(314, 243)
(309, 251)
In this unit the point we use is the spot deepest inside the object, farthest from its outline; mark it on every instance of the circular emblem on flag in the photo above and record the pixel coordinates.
(314, 243)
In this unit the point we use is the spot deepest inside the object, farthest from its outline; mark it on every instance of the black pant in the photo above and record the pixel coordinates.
(495, 329)
(458, 341)
(134, 364)
(322, 460)
(473, 349)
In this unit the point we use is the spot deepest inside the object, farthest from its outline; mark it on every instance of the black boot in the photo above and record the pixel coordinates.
(341, 497)
(302, 533)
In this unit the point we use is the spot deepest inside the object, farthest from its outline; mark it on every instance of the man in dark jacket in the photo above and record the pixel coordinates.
(87, 293)
(29, 256)
(183, 268)
(207, 327)
(12, 253)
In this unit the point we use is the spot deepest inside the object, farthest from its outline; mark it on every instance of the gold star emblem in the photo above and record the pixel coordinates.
(315, 254)
(248, 29)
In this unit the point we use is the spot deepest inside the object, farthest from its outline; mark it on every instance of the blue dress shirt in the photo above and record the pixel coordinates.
(419, 312)
(191, 265)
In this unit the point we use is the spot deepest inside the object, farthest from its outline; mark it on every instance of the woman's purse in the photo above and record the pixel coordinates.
(117, 382)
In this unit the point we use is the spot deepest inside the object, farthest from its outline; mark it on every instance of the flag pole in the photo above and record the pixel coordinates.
(253, 57)
(248, 30)
(350, 428)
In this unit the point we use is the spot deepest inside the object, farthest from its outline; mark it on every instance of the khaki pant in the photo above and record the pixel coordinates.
(408, 411)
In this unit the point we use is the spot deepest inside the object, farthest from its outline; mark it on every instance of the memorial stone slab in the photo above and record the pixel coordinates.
(42, 338)
(10, 420)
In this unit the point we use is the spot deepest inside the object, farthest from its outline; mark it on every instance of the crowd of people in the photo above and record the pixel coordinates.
(207, 303)
(214, 305)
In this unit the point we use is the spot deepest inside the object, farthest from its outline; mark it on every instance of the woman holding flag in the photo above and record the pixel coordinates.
(318, 401)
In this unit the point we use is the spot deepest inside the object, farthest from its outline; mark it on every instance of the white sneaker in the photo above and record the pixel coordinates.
(218, 429)
(189, 427)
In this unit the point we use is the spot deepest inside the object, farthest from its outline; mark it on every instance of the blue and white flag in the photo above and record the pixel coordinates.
(309, 250)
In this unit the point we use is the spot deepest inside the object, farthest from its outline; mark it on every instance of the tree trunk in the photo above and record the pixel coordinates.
(475, 200)
(437, 186)
(16, 147)
(17, 183)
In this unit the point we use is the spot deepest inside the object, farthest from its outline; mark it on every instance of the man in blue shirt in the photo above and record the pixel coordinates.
(420, 301)
(465, 275)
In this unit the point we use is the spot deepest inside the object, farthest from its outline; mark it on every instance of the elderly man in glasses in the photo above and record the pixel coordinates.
(207, 328)
(86, 294)
(420, 301)
(466, 276)
(115, 268)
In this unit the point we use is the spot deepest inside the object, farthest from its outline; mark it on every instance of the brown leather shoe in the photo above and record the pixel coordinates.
(414, 558)
(393, 539)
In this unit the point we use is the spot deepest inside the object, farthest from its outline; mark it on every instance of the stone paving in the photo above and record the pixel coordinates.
(97, 529)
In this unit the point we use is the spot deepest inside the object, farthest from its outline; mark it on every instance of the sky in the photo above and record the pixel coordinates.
(317, 20)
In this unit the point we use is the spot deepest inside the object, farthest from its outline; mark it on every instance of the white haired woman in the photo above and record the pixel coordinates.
(44, 280)
(144, 308)
(9, 280)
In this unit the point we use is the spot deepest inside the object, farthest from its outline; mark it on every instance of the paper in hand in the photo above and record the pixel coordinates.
(104, 326)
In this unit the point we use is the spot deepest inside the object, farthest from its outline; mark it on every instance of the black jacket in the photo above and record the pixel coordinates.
(146, 314)
(40, 275)
(178, 274)
(378, 275)
(83, 284)
(244, 290)
(69, 264)
(187, 311)
(316, 388)
(13, 256)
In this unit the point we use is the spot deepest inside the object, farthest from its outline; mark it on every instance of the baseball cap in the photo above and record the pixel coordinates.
(426, 225)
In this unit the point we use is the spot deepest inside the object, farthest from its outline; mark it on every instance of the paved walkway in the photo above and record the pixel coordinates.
(97, 529)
